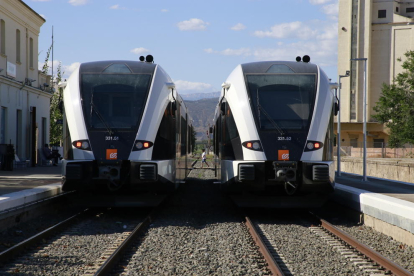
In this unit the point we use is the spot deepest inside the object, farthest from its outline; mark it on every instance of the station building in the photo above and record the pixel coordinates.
(24, 93)
(381, 31)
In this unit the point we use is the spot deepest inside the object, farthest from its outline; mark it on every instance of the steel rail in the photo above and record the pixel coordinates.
(373, 255)
(18, 248)
(110, 263)
(271, 262)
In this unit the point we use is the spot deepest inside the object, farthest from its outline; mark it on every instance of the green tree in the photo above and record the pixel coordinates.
(45, 68)
(55, 111)
(395, 107)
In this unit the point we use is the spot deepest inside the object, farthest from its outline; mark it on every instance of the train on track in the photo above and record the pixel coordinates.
(125, 129)
(273, 134)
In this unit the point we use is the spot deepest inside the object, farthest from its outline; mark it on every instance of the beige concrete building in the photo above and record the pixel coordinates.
(24, 97)
(381, 31)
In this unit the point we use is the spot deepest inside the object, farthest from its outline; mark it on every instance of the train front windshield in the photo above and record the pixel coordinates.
(114, 101)
(282, 102)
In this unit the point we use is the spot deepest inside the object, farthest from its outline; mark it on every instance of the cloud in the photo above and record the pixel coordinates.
(164, 10)
(66, 70)
(77, 2)
(331, 9)
(230, 52)
(238, 27)
(183, 85)
(322, 52)
(194, 24)
(295, 29)
(319, 2)
(139, 51)
(301, 30)
(115, 7)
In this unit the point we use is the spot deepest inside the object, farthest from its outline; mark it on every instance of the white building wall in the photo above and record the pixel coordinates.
(383, 41)
(16, 94)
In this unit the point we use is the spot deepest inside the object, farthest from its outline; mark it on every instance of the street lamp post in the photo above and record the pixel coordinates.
(338, 124)
(364, 163)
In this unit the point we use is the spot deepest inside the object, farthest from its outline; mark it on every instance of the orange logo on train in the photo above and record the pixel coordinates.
(283, 155)
(111, 154)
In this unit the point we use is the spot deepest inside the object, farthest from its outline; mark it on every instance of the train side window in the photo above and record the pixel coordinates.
(164, 145)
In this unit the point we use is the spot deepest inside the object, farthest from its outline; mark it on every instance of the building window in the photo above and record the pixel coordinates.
(397, 9)
(410, 10)
(17, 45)
(3, 126)
(3, 36)
(379, 143)
(354, 142)
(31, 52)
(382, 13)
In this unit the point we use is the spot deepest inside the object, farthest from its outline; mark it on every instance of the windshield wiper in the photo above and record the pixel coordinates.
(95, 109)
(268, 116)
(270, 119)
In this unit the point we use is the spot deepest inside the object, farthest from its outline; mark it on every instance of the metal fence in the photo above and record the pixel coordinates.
(376, 150)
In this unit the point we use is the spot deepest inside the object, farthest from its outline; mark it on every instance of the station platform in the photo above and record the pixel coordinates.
(25, 185)
(387, 205)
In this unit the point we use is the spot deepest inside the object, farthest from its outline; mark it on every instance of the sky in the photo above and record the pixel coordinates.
(197, 42)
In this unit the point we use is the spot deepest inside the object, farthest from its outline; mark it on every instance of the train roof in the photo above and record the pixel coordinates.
(118, 66)
(279, 67)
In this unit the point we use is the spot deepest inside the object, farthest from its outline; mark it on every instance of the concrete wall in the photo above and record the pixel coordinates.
(400, 169)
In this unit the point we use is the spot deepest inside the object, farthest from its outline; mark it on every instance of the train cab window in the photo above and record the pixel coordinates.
(282, 102)
(114, 101)
(117, 68)
(279, 68)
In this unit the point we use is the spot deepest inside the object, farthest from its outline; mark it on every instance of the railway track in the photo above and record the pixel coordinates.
(361, 256)
(41, 253)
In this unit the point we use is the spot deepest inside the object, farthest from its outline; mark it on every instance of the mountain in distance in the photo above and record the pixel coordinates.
(199, 96)
(202, 113)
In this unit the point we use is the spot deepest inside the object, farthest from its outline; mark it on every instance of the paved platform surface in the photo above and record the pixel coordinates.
(25, 185)
(28, 178)
(386, 200)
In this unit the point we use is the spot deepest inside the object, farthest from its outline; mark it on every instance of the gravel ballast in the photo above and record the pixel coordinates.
(73, 251)
(197, 233)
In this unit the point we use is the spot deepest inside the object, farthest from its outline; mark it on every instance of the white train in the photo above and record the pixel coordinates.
(126, 128)
(273, 132)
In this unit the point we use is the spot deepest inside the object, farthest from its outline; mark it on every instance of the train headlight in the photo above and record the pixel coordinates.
(142, 145)
(313, 145)
(82, 144)
(85, 145)
(253, 145)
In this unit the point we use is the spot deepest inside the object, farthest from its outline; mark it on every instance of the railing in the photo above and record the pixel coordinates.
(376, 150)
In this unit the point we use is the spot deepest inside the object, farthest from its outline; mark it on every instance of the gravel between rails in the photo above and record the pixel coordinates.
(197, 233)
(305, 253)
(73, 251)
